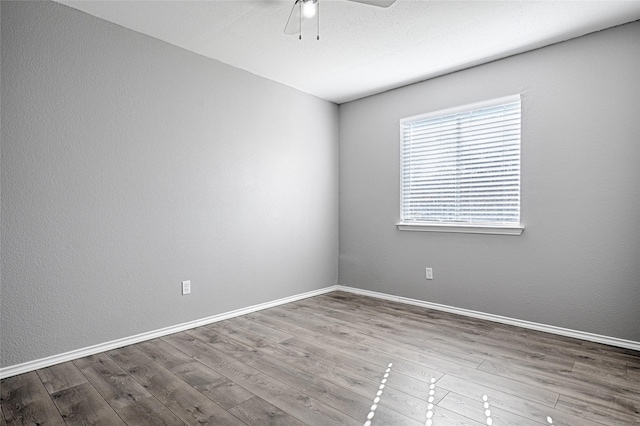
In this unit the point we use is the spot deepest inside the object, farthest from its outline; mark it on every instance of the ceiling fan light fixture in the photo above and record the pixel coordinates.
(309, 8)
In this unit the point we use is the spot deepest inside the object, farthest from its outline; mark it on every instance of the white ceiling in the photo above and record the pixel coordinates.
(362, 49)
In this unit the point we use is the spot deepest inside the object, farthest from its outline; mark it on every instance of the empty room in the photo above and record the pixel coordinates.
(320, 212)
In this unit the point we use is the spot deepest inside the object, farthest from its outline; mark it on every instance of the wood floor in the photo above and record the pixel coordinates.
(323, 361)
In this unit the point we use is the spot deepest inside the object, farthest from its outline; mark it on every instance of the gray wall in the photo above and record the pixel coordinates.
(577, 264)
(129, 165)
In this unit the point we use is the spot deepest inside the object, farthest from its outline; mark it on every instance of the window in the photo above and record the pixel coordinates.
(460, 169)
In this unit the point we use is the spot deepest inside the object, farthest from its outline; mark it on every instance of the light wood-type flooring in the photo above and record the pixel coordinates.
(324, 361)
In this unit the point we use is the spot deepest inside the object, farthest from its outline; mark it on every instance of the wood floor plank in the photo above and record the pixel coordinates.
(470, 359)
(115, 385)
(163, 353)
(371, 325)
(365, 311)
(319, 361)
(538, 394)
(199, 351)
(303, 360)
(396, 352)
(613, 375)
(258, 412)
(340, 398)
(519, 404)
(416, 383)
(83, 405)
(608, 369)
(415, 408)
(348, 346)
(290, 328)
(633, 373)
(431, 360)
(396, 349)
(552, 351)
(445, 417)
(243, 336)
(88, 360)
(129, 356)
(403, 402)
(263, 330)
(452, 323)
(61, 376)
(611, 352)
(337, 345)
(488, 348)
(184, 401)
(474, 409)
(620, 412)
(312, 323)
(214, 386)
(25, 401)
(541, 342)
(299, 405)
(384, 415)
(411, 336)
(148, 412)
(591, 389)
(225, 345)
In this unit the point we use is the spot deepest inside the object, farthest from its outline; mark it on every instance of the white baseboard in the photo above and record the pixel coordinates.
(14, 370)
(582, 335)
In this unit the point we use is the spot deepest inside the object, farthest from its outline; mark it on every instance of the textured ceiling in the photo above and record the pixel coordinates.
(362, 49)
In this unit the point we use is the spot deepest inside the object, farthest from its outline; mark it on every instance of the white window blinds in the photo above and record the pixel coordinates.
(462, 166)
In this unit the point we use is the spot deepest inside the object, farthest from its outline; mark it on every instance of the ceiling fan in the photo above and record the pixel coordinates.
(308, 9)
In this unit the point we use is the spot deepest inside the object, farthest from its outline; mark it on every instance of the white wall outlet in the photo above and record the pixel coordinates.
(429, 273)
(186, 287)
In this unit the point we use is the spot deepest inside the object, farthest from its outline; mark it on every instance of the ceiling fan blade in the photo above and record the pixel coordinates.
(379, 3)
(293, 23)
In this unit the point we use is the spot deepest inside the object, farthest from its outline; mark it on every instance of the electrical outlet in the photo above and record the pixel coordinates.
(429, 273)
(186, 287)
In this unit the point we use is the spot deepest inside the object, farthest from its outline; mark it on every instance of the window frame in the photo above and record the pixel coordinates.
(495, 228)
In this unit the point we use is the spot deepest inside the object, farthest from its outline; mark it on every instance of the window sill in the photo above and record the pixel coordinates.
(464, 229)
